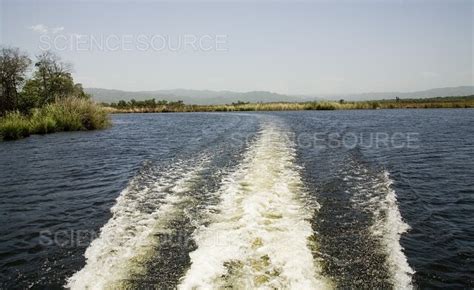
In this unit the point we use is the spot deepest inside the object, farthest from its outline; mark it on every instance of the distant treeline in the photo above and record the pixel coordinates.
(162, 106)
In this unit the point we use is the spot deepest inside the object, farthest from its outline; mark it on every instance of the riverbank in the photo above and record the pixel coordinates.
(150, 106)
(69, 114)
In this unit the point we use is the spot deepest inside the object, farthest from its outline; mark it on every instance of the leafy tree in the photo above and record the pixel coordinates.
(51, 81)
(122, 104)
(30, 96)
(239, 103)
(162, 103)
(149, 103)
(13, 67)
(79, 92)
(177, 103)
(53, 76)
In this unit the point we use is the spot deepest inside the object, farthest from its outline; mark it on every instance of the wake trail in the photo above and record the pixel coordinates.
(260, 236)
(142, 211)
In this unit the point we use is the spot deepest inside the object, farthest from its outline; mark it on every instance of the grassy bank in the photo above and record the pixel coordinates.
(150, 106)
(69, 114)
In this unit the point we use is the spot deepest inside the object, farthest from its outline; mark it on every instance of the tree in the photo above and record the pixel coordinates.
(239, 103)
(177, 103)
(162, 103)
(341, 101)
(122, 104)
(30, 96)
(52, 80)
(79, 92)
(53, 76)
(13, 67)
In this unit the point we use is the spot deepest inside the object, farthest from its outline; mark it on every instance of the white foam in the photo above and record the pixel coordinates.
(259, 237)
(389, 227)
(378, 196)
(130, 233)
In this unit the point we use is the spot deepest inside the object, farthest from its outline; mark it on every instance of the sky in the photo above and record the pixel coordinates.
(302, 47)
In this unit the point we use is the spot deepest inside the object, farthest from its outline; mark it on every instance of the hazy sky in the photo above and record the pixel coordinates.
(310, 47)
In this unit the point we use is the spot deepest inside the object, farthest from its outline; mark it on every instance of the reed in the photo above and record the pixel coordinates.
(68, 114)
(445, 102)
(14, 126)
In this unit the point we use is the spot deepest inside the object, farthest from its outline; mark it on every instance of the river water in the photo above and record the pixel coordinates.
(301, 200)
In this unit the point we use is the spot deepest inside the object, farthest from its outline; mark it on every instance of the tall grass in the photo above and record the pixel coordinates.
(68, 114)
(446, 102)
(14, 126)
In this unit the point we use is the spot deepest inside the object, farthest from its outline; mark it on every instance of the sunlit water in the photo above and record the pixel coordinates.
(300, 200)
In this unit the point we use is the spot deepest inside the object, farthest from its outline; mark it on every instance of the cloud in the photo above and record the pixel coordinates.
(43, 29)
(57, 29)
(40, 28)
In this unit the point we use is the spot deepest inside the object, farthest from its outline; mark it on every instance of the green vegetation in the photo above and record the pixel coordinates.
(48, 102)
(68, 114)
(153, 106)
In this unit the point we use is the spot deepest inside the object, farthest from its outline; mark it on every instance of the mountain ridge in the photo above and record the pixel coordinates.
(210, 97)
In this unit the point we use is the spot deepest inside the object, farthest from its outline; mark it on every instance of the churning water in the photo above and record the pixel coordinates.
(289, 200)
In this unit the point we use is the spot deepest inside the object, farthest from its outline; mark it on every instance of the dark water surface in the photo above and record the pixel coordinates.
(374, 198)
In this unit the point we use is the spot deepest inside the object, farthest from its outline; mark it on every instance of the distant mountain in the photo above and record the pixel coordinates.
(207, 97)
(199, 97)
(438, 92)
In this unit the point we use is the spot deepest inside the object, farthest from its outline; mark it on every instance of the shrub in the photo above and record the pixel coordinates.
(14, 126)
(68, 114)
(325, 106)
(74, 114)
(41, 123)
(375, 105)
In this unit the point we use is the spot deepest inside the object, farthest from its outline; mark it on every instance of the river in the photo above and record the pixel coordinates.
(301, 200)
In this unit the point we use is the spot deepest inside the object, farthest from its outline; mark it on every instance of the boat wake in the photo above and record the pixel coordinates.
(260, 237)
(256, 227)
(373, 193)
(142, 212)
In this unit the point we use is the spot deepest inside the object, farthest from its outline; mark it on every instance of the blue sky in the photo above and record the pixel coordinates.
(309, 47)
